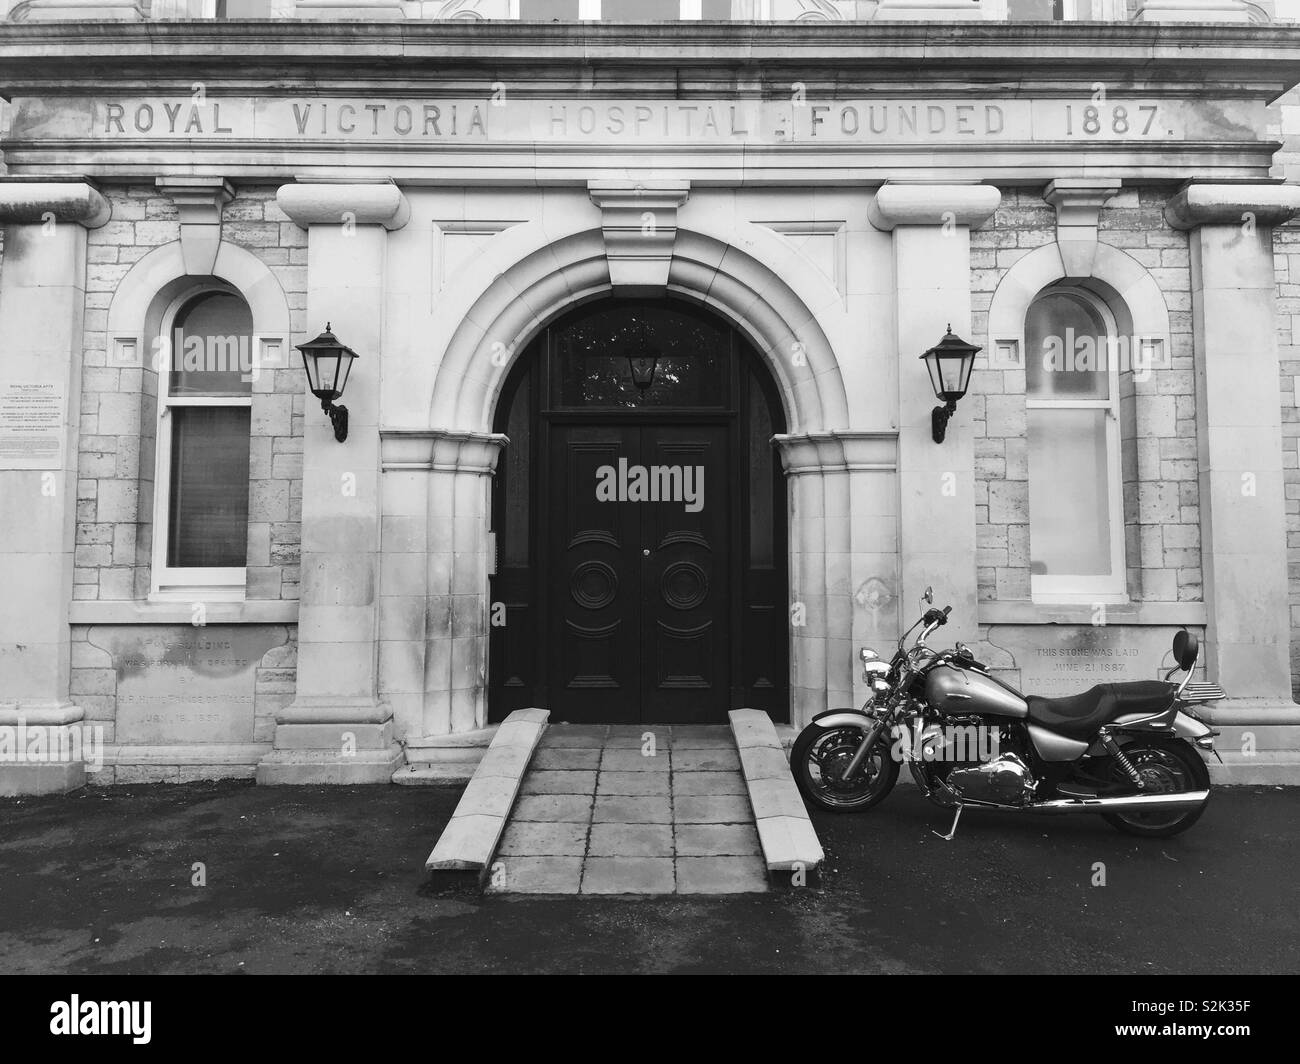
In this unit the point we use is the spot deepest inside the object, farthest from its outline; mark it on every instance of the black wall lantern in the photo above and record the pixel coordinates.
(949, 362)
(643, 363)
(328, 363)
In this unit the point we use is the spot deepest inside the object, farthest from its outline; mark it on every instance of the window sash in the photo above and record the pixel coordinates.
(170, 582)
(1110, 587)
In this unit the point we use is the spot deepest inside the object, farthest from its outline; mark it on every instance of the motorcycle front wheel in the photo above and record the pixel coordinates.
(820, 756)
(1166, 766)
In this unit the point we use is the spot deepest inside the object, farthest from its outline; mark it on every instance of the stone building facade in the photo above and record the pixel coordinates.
(467, 199)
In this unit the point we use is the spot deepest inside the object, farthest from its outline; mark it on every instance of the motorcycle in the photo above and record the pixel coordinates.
(1126, 751)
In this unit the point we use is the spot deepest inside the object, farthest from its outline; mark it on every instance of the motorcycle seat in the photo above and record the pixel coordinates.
(1079, 716)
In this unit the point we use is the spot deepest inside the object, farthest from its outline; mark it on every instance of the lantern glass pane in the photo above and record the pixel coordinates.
(344, 369)
(327, 369)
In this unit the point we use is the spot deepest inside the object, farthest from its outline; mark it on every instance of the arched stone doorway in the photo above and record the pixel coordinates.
(640, 522)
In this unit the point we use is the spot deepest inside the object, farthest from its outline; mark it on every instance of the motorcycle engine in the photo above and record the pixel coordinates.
(1005, 780)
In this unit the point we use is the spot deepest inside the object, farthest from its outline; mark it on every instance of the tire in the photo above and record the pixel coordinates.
(1162, 761)
(818, 751)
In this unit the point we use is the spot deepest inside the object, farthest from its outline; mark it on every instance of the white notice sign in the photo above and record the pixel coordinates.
(31, 424)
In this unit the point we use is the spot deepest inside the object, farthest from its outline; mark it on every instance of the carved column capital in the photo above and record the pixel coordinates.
(320, 203)
(923, 204)
(1229, 204)
(35, 202)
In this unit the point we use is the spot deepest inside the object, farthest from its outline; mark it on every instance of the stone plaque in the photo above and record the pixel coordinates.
(183, 684)
(1057, 660)
(31, 424)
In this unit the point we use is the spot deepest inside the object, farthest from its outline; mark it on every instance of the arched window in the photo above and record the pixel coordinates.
(204, 410)
(1072, 392)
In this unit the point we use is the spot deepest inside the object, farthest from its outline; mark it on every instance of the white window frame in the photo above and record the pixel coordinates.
(589, 10)
(170, 583)
(1065, 588)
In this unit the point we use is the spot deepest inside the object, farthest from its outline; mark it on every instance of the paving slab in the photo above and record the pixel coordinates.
(561, 739)
(527, 838)
(712, 809)
(628, 875)
(720, 875)
(553, 807)
(633, 761)
(635, 809)
(632, 840)
(706, 783)
(565, 760)
(636, 783)
(535, 875)
(556, 781)
(716, 840)
(706, 761)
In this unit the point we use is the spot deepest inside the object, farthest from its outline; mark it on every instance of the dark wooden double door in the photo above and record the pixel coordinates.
(640, 532)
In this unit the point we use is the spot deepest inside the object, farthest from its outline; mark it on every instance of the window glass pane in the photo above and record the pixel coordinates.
(1066, 349)
(208, 524)
(212, 347)
(1034, 10)
(244, 9)
(716, 9)
(548, 10)
(640, 10)
(1069, 498)
(590, 359)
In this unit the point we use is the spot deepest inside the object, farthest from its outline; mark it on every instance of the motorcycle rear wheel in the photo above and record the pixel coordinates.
(820, 755)
(1166, 765)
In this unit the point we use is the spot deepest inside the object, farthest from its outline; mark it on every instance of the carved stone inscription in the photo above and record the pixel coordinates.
(186, 684)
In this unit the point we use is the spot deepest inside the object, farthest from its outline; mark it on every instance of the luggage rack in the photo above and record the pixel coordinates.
(1203, 692)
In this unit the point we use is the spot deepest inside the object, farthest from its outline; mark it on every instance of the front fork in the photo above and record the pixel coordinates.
(865, 747)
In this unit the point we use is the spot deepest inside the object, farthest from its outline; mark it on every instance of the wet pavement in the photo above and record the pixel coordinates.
(228, 877)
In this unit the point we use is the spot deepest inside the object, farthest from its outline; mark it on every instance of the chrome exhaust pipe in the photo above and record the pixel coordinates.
(1142, 803)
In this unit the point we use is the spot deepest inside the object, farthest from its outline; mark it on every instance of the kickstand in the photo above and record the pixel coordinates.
(953, 830)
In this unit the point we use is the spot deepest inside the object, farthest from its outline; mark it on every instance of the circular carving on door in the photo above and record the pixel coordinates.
(593, 585)
(684, 585)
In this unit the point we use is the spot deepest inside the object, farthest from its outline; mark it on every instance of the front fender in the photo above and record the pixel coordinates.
(862, 719)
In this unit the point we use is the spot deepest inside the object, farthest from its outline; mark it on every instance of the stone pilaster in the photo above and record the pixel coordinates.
(843, 546)
(42, 299)
(1238, 412)
(931, 229)
(338, 729)
(437, 504)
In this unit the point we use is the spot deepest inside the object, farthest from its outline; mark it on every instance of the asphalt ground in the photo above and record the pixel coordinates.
(229, 877)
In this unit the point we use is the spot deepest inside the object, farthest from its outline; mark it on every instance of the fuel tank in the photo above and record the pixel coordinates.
(956, 691)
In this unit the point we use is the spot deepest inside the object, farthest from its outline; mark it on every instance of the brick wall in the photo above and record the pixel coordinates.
(1158, 413)
(119, 408)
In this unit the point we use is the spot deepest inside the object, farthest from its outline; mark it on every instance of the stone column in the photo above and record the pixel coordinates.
(931, 226)
(338, 729)
(42, 299)
(1238, 415)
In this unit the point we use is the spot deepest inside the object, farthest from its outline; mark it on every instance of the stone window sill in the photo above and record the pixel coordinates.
(93, 611)
(1166, 613)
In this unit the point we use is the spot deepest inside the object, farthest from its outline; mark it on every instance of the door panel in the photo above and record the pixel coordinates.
(686, 597)
(595, 575)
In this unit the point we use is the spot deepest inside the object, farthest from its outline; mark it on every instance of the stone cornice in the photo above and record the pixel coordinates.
(748, 58)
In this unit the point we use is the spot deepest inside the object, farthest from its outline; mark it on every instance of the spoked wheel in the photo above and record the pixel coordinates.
(820, 757)
(1167, 766)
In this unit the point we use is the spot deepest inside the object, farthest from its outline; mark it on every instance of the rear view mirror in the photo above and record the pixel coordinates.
(1186, 648)
(929, 595)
